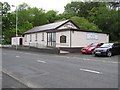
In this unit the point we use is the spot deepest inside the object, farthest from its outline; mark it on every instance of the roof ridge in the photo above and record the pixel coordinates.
(54, 22)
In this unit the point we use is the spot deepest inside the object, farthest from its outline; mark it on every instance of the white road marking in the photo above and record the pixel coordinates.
(92, 71)
(41, 61)
(86, 59)
(17, 56)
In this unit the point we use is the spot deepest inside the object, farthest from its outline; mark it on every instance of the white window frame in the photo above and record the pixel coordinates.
(36, 36)
(30, 37)
(43, 36)
(25, 38)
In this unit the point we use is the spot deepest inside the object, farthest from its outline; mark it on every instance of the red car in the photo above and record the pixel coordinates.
(89, 49)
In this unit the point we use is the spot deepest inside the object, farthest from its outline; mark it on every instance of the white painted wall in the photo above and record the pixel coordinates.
(67, 34)
(79, 39)
(15, 40)
(33, 42)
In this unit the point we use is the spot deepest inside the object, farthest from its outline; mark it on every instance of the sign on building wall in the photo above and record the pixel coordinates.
(92, 36)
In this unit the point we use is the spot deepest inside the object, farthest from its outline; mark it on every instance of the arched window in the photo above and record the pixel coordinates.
(63, 39)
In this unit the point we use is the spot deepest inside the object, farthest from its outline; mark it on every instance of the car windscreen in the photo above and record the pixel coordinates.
(106, 45)
(93, 44)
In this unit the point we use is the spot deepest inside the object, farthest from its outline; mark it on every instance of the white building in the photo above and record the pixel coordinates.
(17, 41)
(63, 34)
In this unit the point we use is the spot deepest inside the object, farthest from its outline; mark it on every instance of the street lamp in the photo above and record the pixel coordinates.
(16, 25)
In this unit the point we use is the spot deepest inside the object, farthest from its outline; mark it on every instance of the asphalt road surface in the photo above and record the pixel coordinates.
(9, 82)
(38, 70)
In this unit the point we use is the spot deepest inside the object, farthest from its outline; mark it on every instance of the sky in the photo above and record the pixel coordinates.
(57, 5)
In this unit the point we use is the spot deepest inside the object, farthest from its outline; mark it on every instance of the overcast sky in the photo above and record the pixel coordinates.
(57, 5)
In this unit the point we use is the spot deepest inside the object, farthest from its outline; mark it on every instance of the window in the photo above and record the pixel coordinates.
(36, 37)
(53, 37)
(63, 39)
(25, 38)
(42, 36)
(30, 37)
(49, 37)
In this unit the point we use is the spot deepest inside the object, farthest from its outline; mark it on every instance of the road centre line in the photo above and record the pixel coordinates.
(91, 71)
(40, 61)
(86, 59)
(17, 56)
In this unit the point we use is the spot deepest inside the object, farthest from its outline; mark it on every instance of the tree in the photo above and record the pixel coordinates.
(51, 16)
(105, 15)
(82, 9)
(5, 8)
(84, 24)
(115, 4)
(64, 16)
(6, 21)
(108, 20)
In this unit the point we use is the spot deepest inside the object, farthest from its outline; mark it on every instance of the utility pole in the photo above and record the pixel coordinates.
(16, 26)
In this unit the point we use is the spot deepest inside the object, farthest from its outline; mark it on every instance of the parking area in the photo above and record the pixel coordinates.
(90, 57)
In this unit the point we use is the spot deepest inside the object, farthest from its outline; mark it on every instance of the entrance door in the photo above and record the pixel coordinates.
(20, 41)
(51, 39)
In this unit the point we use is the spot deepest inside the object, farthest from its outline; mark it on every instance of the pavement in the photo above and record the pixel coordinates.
(9, 82)
(37, 70)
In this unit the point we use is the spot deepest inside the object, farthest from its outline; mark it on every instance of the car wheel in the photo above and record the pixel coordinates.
(93, 53)
(109, 53)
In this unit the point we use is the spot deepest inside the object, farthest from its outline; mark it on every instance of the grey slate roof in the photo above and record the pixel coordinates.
(46, 27)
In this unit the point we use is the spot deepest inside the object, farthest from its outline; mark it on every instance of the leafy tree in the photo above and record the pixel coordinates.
(105, 15)
(107, 20)
(82, 9)
(84, 24)
(64, 16)
(37, 16)
(115, 4)
(6, 22)
(5, 8)
(51, 16)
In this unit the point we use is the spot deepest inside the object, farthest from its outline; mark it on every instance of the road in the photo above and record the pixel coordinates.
(9, 82)
(38, 70)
